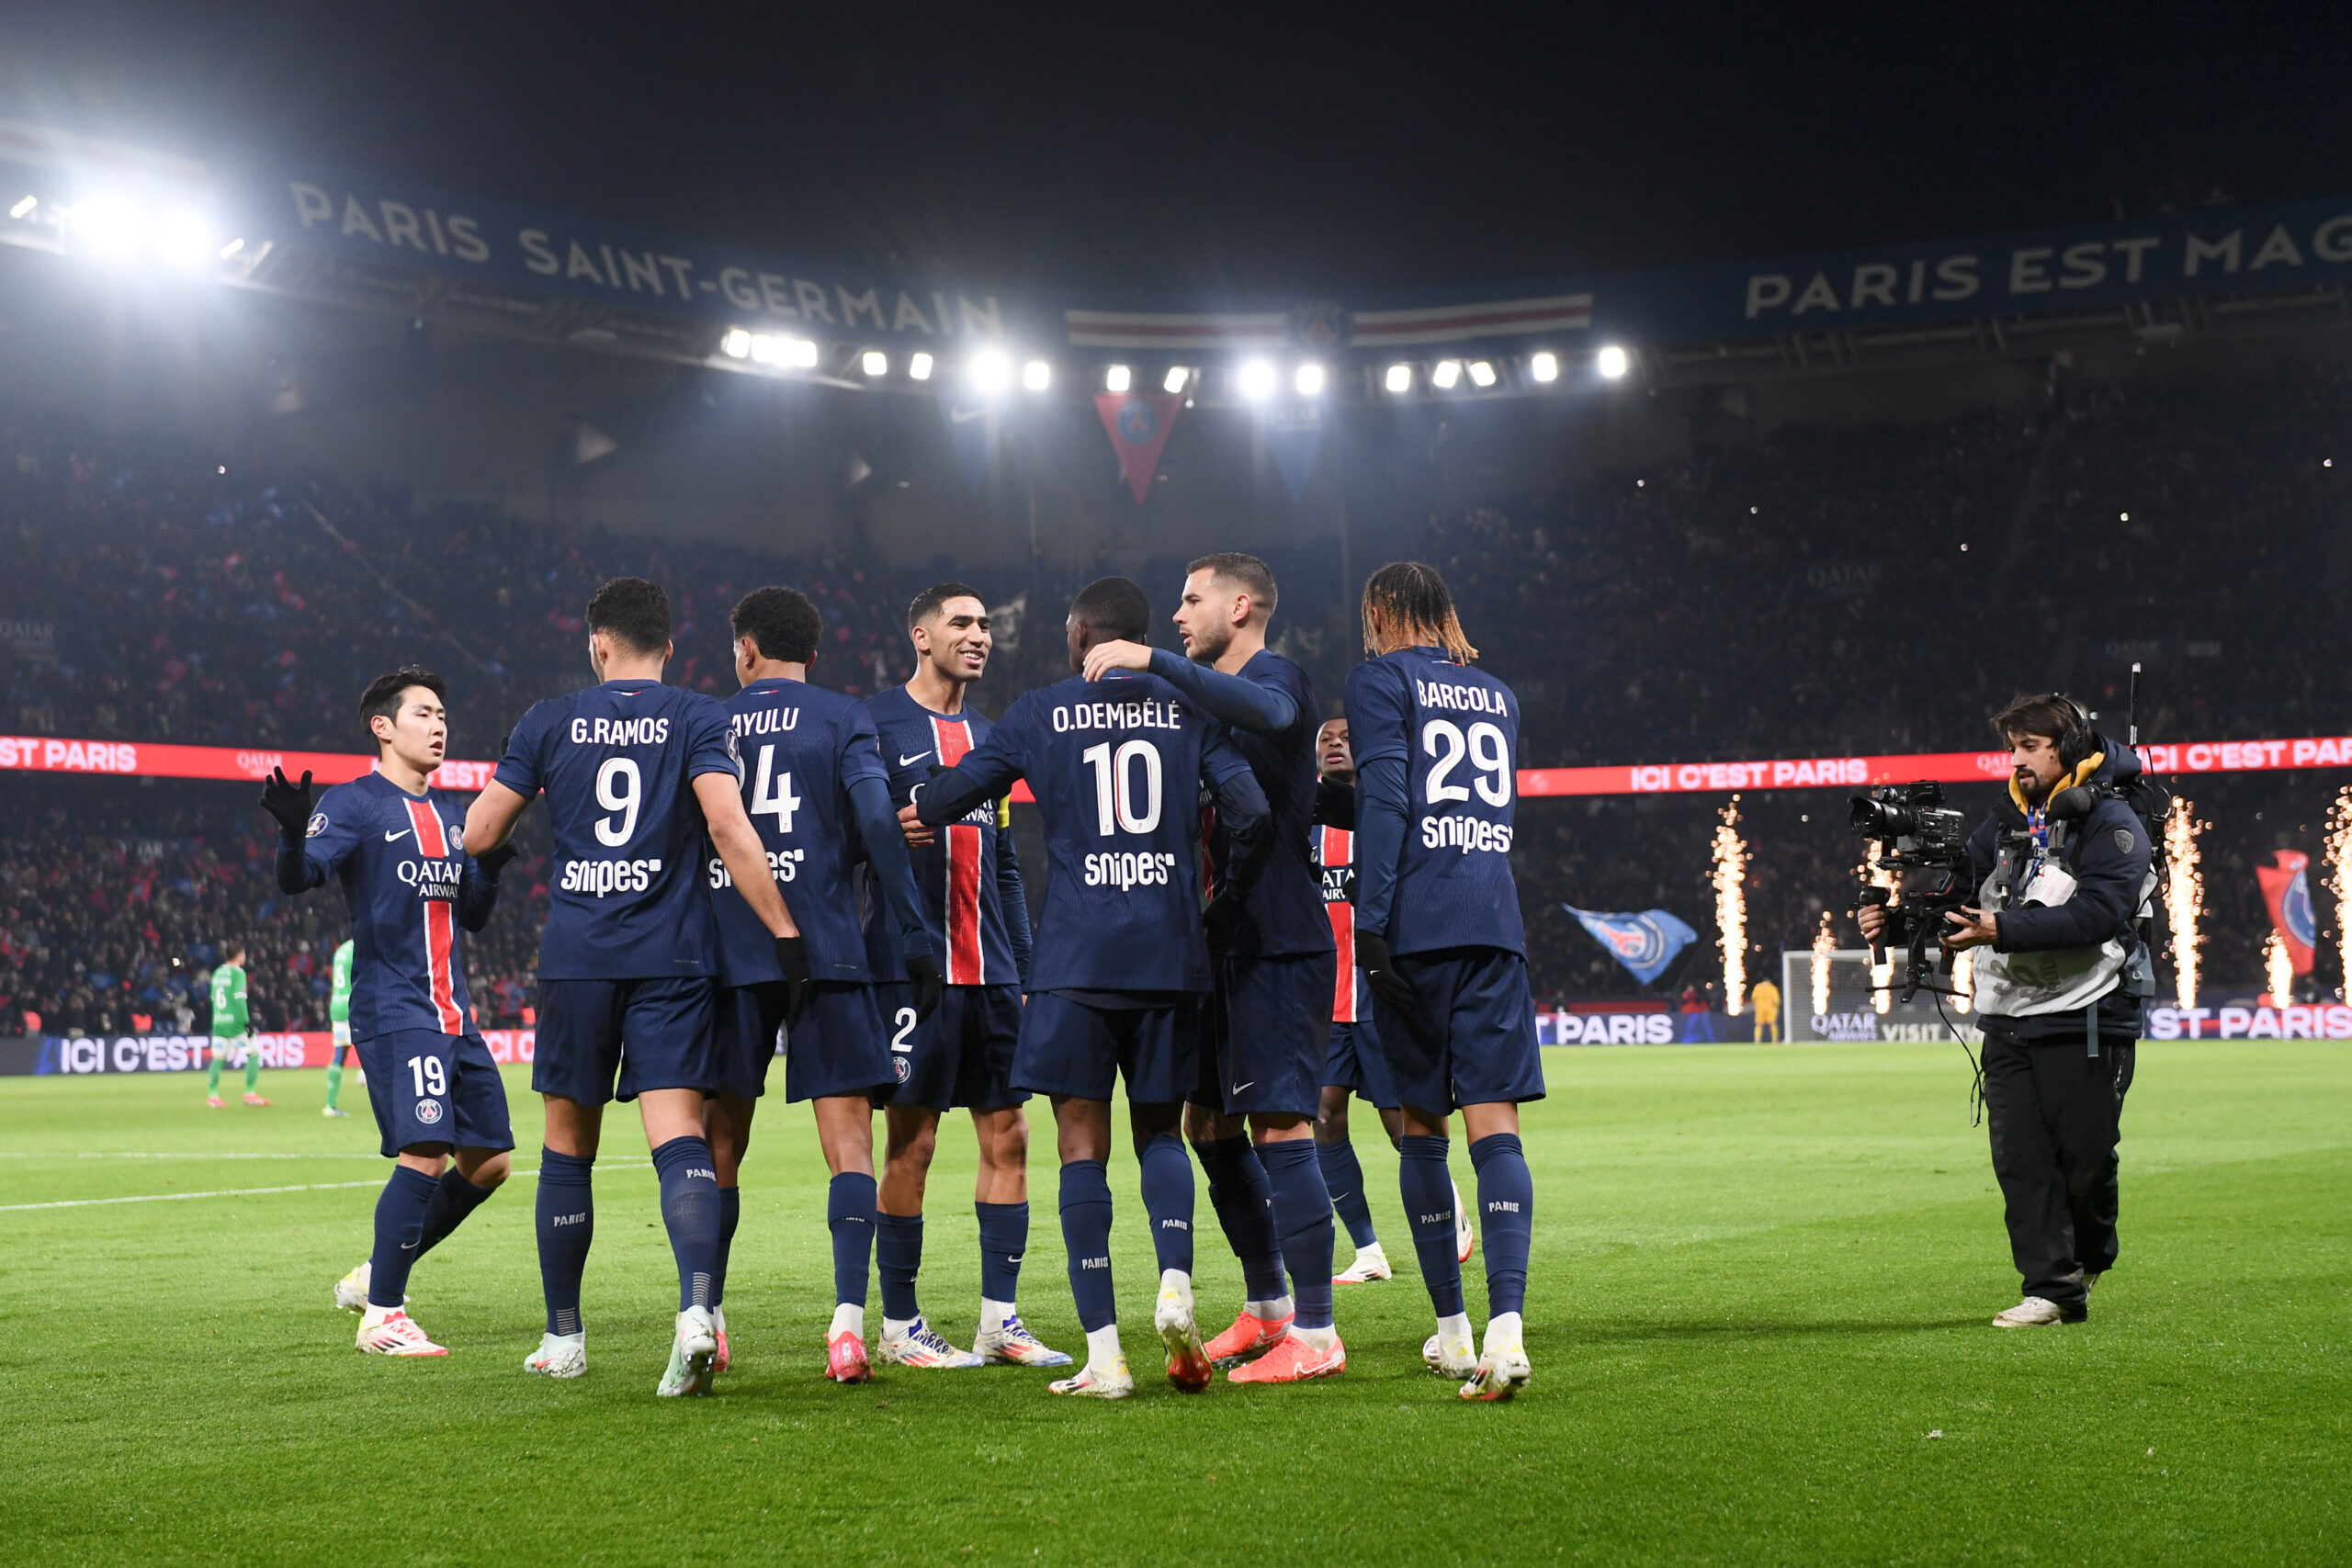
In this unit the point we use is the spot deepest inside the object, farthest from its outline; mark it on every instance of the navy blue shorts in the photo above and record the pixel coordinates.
(748, 1021)
(1356, 1064)
(959, 1057)
(1264, 1035)
(429, 1088)
(839, 1047)
(1471, 1040)
(1081, 1049)
(655, 1033)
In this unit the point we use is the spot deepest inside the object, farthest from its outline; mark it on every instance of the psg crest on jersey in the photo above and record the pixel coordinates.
(428, 1111)
(1645, 943)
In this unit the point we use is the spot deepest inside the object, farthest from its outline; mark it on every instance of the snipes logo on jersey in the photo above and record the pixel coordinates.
(1123, 871)
(598, 877)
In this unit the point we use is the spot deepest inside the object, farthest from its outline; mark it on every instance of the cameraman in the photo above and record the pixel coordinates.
(2063, 872)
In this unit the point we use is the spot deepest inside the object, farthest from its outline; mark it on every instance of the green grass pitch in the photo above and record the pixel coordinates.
(1760, 1285)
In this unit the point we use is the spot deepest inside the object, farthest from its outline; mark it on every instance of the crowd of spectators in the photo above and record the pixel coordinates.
(1806, 592)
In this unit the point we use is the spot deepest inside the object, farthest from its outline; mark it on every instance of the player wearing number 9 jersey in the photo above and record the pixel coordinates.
(635, 774)
(1120, 960)
(1439, 938)
(815, 793)
(393, 844)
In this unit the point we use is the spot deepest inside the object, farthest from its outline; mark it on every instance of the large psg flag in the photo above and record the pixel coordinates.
(1137, 424)
(2287, 889)
(1645, 943)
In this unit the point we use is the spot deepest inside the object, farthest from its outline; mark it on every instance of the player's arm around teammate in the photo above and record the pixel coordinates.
(440, 1105)
(1439, 940)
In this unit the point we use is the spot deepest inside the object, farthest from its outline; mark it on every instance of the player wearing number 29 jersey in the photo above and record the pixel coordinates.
(1439, 938)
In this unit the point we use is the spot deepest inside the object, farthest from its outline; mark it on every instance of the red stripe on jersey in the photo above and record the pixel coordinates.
(440, 930)
(966, 964)
(1339, 849)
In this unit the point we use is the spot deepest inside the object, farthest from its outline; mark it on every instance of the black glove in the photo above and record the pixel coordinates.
(1222, 922)
(922, 973)
(493, 862)
(792, 957)
(1380, 972)
(290, 802)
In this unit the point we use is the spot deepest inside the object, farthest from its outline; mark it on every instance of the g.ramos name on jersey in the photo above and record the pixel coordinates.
(1130, 869)
(783, 864)
(1463, 699)
(1465, 833)
(1149, 713)
(650, 731)
(598, 878)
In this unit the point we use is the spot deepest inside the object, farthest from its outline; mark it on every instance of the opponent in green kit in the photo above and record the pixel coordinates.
(339, 1020)
(232, 1025)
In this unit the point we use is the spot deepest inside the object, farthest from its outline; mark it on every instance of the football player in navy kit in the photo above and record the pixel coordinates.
(968, 880)
(637, 774)
(1120, 959)
(817, 793)
(393, 844)
(1265, 1034)
(1439, 940)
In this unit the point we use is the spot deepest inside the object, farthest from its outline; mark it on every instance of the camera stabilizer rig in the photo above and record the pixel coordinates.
(1915, 831)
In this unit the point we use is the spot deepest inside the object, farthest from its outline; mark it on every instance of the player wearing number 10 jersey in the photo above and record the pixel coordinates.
(1439, 938)
(1121, 960)
(393, 844)
(635, 774)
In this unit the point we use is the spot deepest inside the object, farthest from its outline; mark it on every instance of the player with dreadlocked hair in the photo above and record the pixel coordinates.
(1443, 949)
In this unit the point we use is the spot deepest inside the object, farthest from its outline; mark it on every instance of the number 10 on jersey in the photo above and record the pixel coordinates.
(1115, 786)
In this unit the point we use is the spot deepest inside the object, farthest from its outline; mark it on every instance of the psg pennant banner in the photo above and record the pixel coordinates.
(1645, 943)
(1138, 424)
(1294, 436)
(2287, 889)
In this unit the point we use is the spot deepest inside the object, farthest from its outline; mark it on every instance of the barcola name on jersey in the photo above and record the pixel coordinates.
(1128, 869)
(650, 731)
(598, 877)
(1146, 715)
(1461, 699)
(1465, 833)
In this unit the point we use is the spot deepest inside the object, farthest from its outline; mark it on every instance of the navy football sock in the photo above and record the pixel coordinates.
(1426, 1187)
(690, 1214)
(567, 1220)
(849, 1214)
(400, 1220)
(1167, 1199)
(1302, 1220)
(1086, 1236)
(897, 1258)
(1004, 1236)
(731, 1212)
(1243, 1199)
(453, 1199)
(1344, 1174)
(1506, 1216)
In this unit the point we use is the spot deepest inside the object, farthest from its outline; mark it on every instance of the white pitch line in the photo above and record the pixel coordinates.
(248, 1191)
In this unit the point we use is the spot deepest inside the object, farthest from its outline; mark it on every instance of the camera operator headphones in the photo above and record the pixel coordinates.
(2075, 745)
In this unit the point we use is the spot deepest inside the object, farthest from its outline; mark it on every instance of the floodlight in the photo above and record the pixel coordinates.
(1545, 367)
(919, 366)
(1116, 379)
(1612, 362)
(765, 348)
(735, 344)
(1177, 377)
(1399, 379)
(105, 223)
(875, 362)
(24, 205)
(1036, 375)
(1310, 379)
(1482, 373)
(801, 352)
(182, 239)
(989, 370)
(1447, 372)
(1257, 381)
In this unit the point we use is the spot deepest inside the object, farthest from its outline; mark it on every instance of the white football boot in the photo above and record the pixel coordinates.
(1113, 1381)
(351, 1290)
(1502, 1368)
(922, 1346)
(389, 1331)
(691, 1355)
(559, 1356)
(1450, 1353)
(1015, 1345)
(1371, 1264)
(1465, 1240)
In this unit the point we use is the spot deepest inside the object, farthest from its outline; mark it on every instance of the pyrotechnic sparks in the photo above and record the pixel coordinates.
(1881, 972)
(1825, 943)
(2280, 966)
(2184, 896)
(2339, 876)
(1963, 979)
(1730, 878)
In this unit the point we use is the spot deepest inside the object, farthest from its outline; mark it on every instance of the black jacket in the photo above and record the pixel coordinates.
(2106, 852)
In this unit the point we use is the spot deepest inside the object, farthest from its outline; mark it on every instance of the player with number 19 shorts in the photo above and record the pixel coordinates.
(395, 843)
(1439, 940)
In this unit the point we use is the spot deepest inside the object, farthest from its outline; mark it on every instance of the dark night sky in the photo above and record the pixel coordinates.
(1279, 149)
